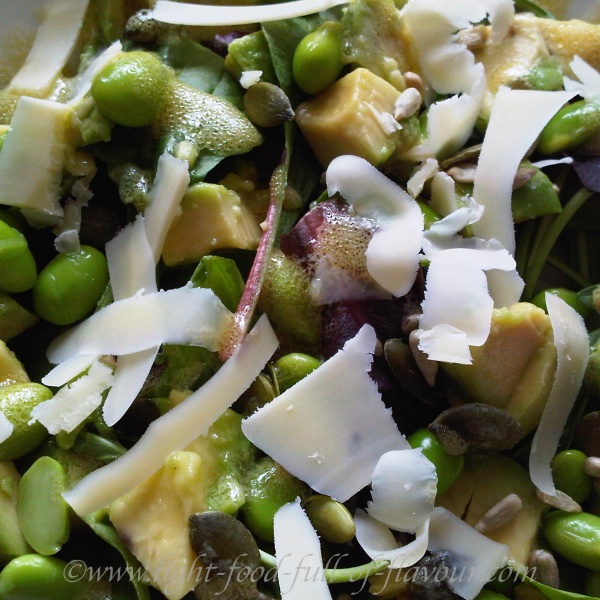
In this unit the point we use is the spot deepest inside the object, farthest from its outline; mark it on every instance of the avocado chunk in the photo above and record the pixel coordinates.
(152, 519)
(11, 369)
(14, 319)
(12, 542)
(349, 117)
(514, 369)
(485, 481)
(211, 216)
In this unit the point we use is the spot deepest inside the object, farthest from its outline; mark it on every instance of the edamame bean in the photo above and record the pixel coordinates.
(448, 467)
(18, 270)
(131, 89)
(270, 486)
(318, 58)
(569, 296)
(575, 536)
(16, 402)
(569, 475)
(489, 595)
(32, 576)
(43, 513)
(572, 126)
(291, 368)
(70, 285)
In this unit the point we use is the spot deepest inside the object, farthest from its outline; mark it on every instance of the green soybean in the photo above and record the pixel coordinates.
(131, 89)
(32, 577)
(575, 536)
(293, 367)
(43, 512)
(69, 287)
(270, 486)
(16, 402)
(14, 318)
(318, 58)
(572, 126)
(569, 296)
(569, 475)
(18, 270)
(448, 467)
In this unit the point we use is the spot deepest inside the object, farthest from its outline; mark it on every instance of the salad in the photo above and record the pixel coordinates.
(300, 300)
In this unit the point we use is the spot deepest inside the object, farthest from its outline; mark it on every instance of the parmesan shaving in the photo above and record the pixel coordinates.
(170, 184)
(179, 427)
(517, 118)
(393, 252)
(403, 490)
(473, 559)
(69, 369)
(132, 270)
(185, 315)
(426, 171)
(379, 542)
(31, 160)
(331, 428)
(249, 78)
(51, 50)
(6, 427)
(572, 346)
(74, 403)
(588, 86)
(180, 13)
(298, 553)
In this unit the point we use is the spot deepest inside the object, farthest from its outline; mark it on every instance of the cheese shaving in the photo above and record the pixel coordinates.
(74, 403)
(588, 86)
(185, 315)
(473, 559)
(331, 427)
(425, 172)
(170, 184)
(249, 78)
(393, 252)
(69, 369)
(517, 118)
(179, 13)
(131, 268)
(179, 427)
(379, 543)
(6, 427)
(31, 160)
(572, 346)
(403, 490)
(51, 50)
(298, 553)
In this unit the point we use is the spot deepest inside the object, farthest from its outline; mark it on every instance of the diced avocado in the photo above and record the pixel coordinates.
(12, 542)
(485, 481)
(211, 217)
(536, 198)
(349, 118)
(374, 39)
(11, 369)
(514, 369)
(14, 319)
(510, 60)
(152, 519)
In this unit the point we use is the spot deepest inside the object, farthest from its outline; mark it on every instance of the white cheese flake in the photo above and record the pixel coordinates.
(393, 252)
(184, 315)
(572, 346)
(180, 13)
(473, 559)
(338, 427)
(52, 48)
(403, 490)
(423, 174)
(179, 427)
(298, 553)
(74, 403)
(31, 160)
(379, 543)
(517, 118)
(170, 184)
(249, 78)
(588, 86)
(69, 369)
(6, 427)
